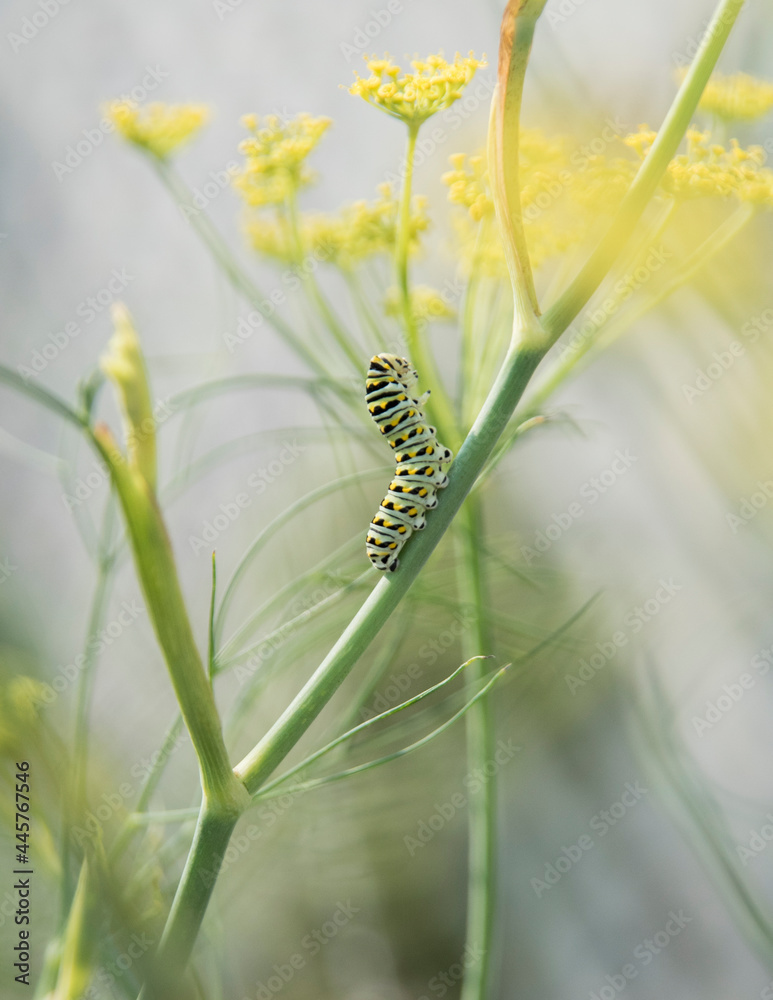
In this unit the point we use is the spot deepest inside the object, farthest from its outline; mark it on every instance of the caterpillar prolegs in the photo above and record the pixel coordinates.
(419, 456)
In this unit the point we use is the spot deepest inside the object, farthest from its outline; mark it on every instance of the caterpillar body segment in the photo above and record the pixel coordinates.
(419, 458)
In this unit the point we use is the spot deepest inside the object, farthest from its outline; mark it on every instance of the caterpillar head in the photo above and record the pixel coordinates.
(402, 368)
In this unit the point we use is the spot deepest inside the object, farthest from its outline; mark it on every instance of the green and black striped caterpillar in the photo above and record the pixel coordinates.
(420, 458)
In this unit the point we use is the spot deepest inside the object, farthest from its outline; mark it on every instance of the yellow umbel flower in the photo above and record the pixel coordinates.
(563, 194)
(413, 97)
(739, 97)
(357, 231)
(427, 304)
(158, 128)
(468, 185)
(20, 701)
(708, 169)
(276, 152)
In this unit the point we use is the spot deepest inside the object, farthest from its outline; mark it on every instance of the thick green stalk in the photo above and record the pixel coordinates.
(516, 36)
(157, 572)
(608, 330)
(210, 841)
(482, 808)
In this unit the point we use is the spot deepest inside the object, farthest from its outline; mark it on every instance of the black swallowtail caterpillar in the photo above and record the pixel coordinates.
(420, 458)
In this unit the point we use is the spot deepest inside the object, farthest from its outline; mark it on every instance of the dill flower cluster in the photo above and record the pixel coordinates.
(427, 305)
(561, 198)
(414, 97)
(739, 97)
(276, 152)
(468, 185)
(708, 169)
(157, 128)
(358, 230)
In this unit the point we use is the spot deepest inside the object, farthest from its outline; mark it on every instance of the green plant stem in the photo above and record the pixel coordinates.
(482, 808)
(210, 840)
(676, 122)
(220, 251)
(608, 330)
(157, 572)
(314, 292)
(378, 335)
(438, 407)
(516, 37)
(43, 396)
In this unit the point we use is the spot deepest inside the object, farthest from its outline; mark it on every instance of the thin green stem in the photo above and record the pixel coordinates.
(314, 292)
(356, 730)
(482, 808)
(603, 333)
(43, 396)
(378, 334)
(438, 407)
(676, 122)
(306, 786)
(222, 255)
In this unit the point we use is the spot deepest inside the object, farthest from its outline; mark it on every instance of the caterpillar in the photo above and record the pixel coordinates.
(419, 456)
